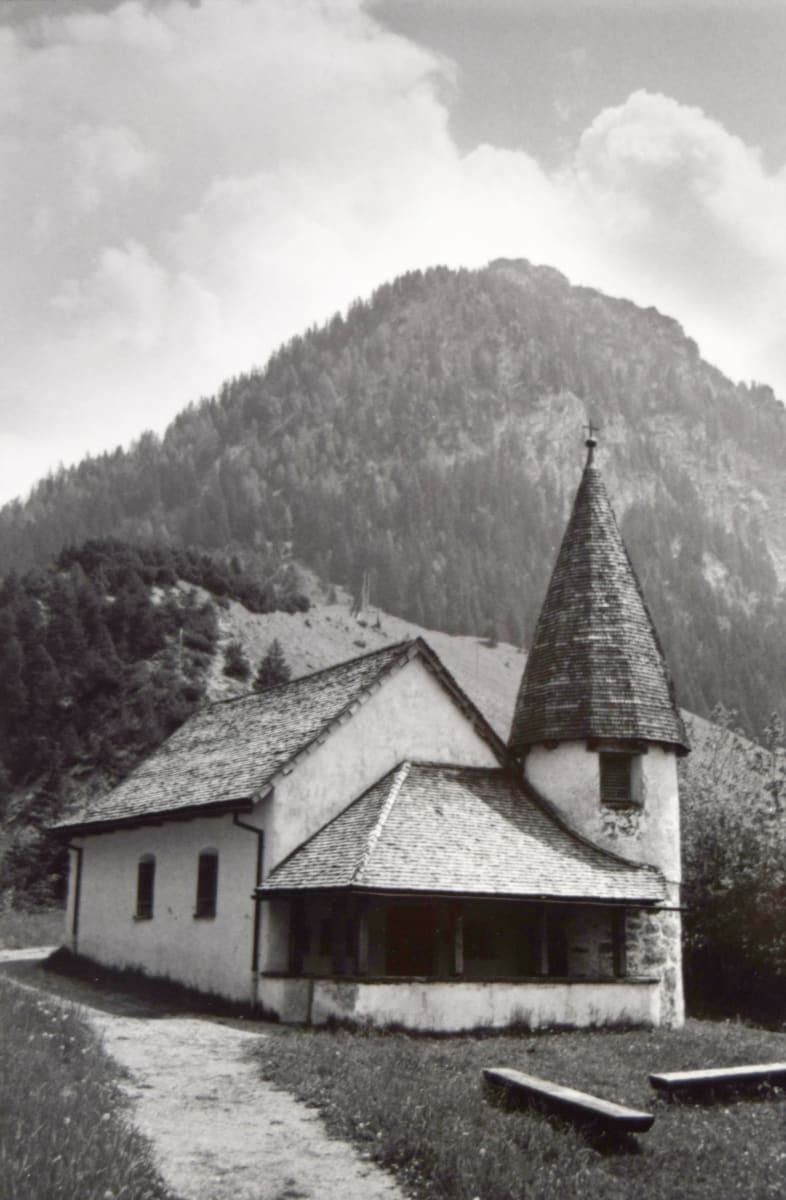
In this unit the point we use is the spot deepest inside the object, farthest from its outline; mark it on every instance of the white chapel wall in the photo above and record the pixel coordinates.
(410, 716)
(212, 954)
(569, 776)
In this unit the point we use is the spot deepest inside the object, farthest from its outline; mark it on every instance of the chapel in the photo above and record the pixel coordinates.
(360, 845)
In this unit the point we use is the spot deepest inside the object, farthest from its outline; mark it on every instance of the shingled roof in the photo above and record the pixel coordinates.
(595, 669)
(450, 829)
(231, 751)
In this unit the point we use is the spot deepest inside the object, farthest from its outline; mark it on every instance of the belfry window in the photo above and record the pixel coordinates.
(617, 780)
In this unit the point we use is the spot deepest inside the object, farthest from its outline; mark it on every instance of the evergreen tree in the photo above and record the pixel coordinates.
(236, 665)
(273, 669)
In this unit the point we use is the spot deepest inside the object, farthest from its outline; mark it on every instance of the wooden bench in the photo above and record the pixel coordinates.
(726, 1077)
(579, 1107)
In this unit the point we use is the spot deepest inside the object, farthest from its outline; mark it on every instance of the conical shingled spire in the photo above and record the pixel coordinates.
(596, 669)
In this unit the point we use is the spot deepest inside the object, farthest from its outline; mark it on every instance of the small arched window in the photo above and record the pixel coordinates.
(207, 884)
(145, 887)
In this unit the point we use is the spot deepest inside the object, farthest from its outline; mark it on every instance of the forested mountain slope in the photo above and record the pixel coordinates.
(102, 655)
(433, 441)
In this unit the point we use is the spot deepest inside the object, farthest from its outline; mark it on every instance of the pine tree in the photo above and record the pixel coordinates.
(273, 668)
(236, 665)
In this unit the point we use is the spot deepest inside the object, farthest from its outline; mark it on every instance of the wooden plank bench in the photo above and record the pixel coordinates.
(727, 1077)
(579, 1107)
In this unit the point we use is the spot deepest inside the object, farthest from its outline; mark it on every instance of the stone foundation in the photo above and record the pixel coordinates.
(654, 948)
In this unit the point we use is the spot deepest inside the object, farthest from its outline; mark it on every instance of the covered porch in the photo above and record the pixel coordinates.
(346, 934)
(448, 963)
(448, 898)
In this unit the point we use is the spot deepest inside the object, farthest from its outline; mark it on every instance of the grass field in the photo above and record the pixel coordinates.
(63, 1132)
(40, 927)
(416, 1104)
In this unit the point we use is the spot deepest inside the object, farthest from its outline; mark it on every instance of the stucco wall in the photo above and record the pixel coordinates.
(455, 1006)
(212, 954)
(569, 776)
(409, 717)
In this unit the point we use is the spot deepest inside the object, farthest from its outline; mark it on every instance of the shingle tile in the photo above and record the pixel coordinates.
(452, 829)
(596, 669)
(231, 750)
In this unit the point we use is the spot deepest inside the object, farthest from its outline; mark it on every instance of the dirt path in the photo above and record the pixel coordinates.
(219, 1132)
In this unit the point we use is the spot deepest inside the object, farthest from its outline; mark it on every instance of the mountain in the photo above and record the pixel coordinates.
(430, 444)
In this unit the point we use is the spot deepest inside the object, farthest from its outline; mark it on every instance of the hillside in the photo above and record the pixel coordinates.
(329, 633)
(102, 655)
(432, 442)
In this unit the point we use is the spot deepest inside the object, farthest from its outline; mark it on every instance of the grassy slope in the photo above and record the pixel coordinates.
(63, 1134)
(416, 1104)
(328, 634)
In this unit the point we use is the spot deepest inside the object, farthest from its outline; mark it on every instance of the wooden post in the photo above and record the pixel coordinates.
(618, 942)
(543, 941)
(361, 936)
(296, 921)
(338, 916)
(457, 928)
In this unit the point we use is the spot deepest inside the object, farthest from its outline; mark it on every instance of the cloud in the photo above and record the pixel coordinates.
(105, 157)
(683, 214)
(186, 185)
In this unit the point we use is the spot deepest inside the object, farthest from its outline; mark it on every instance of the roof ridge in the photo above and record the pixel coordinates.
(405, 643)
(453, 766)
(379, 824)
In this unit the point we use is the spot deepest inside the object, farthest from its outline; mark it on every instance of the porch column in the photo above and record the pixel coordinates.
(542, 945)
(296, 930)
(456, 926)
(619, 948)
(361, 935)
(338, 941)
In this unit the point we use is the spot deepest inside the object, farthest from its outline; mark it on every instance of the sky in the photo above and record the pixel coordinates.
(185, 184)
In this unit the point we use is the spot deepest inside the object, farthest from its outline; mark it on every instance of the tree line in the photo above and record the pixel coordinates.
(101, 657)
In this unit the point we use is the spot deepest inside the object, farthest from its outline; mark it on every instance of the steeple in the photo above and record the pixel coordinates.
(596, 670)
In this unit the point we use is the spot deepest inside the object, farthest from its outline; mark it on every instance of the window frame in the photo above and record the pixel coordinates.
(145, 887)
(612, 793)
(206, 904)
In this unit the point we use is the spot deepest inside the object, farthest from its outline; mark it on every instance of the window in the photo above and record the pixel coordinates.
(145, 887)
(207, 884)
(617, 788)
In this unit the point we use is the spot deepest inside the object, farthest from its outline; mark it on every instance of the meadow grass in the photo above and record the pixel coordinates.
(39, 927)
(64, 1134)
(416, 1104)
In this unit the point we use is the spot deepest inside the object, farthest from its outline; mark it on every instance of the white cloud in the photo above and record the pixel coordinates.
(681, 213)
(104, 157)
(187, 185)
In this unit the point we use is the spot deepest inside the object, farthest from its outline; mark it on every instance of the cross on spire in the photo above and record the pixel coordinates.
(591, 441)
